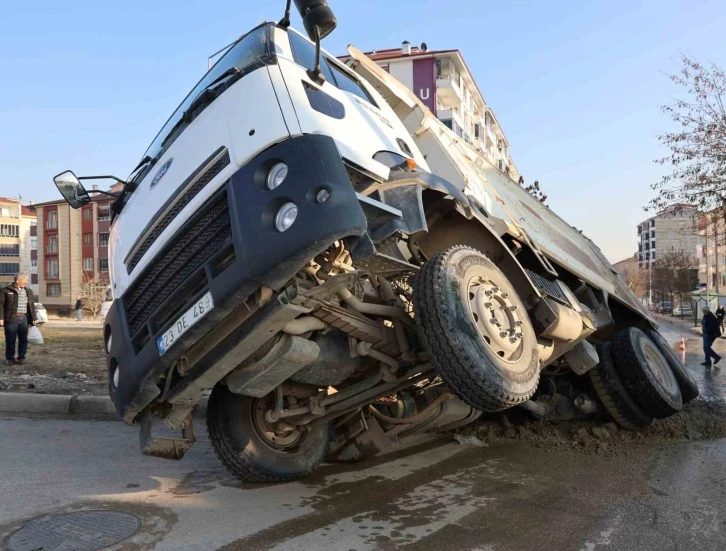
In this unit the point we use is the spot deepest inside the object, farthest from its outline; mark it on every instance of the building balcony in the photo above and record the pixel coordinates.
(444, 113)
(448, 91)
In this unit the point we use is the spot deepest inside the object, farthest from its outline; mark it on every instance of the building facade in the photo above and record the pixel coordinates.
(675, 229)
(18, 236)
(712, 252)
(443, 82)
(72, 250)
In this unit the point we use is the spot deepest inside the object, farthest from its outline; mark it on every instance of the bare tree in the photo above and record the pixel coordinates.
(674, 276)
(697, 157)
(534, 190)
(637, 280)
(93, 294)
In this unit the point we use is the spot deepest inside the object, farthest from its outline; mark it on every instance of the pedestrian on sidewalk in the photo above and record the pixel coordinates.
(17, 312)
(711, 332)
(720, 315)
(79, 309)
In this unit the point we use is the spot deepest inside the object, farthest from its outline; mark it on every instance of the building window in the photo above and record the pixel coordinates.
(5, 212)
(103, 265)
(33, 262)
(53, 290)
(52, 222)
(52, 246)
(88, 239)
(33, 279)
(9, 230)
(9, 250)
(33, 223)
(88, 213)
(103, 239)
(51, 268)
(33, 243)
(87, 264)
(104, 213)
(9, 268)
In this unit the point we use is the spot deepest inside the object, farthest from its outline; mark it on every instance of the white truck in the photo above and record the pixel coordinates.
(310, 244)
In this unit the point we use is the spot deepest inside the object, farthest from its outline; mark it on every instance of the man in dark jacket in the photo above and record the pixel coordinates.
(17, 313)
(720, 315)
(711, 332)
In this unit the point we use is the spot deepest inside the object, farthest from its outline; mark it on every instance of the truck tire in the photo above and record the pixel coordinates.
(646, 374)
(245, 446)
(611, 392)
(476, 329)
(686, 382)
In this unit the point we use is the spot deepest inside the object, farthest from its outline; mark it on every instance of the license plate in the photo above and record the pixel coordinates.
(200, 309)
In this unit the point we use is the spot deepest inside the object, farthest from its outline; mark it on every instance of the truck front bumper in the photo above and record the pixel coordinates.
(230, 248)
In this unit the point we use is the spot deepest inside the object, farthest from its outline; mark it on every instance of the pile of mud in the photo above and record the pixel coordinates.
(702, 419)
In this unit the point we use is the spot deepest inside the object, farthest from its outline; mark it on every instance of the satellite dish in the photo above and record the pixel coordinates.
(424, 47)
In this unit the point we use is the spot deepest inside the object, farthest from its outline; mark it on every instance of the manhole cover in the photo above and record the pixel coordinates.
(82, 531)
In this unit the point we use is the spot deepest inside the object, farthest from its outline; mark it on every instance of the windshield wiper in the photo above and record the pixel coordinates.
(205, 97)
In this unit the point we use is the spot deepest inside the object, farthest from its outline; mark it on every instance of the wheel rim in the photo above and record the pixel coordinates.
(289, 441)
(659, 366)
(496, 318)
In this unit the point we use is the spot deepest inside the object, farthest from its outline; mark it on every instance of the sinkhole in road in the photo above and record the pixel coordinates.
(79, 531)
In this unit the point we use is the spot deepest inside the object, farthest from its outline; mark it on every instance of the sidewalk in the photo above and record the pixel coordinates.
(684, 323)
(67, 323)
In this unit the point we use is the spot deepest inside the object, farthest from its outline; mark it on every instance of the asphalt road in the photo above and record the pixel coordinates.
(433, 494)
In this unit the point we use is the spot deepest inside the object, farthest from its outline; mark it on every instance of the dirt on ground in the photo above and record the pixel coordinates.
(71, 361)
(702, 419)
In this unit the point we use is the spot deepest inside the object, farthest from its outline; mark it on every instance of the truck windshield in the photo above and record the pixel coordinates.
(250, 52)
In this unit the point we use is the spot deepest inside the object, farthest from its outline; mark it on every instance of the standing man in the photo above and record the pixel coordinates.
(17, 312)
(79, 309)
(720, 315)
(711, 332)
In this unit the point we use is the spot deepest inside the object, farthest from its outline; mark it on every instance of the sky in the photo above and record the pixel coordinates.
(577, 86)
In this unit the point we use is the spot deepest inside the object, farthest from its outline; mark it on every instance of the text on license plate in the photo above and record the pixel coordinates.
(200, 309)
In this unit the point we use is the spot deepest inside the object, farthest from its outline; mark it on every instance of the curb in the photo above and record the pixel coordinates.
(11, 402)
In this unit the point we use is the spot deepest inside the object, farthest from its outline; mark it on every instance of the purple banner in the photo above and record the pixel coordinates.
(424, 82)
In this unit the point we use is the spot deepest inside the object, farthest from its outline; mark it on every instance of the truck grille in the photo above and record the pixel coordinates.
(165, 218)
(166, 275)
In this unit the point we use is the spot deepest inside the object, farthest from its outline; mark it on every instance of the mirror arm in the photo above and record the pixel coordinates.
(316, 75)
(285, 21)
(130, 186)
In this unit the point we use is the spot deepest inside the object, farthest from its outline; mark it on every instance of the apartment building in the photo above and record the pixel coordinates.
(18, 247)
(72, 249)
(712, 251)
(443, 82)
(674, 229)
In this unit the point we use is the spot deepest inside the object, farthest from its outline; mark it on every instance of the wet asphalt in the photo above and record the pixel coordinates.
(430, 494)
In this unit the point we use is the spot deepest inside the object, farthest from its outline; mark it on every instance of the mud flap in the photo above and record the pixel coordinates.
(165, 448)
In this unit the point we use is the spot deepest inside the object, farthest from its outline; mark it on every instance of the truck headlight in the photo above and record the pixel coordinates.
(285, 217)
(276, 175)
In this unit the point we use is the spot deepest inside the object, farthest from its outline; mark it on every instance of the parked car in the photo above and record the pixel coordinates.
(41, 313)
(666, 307)
(684, 310)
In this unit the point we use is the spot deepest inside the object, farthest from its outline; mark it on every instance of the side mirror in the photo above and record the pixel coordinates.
(316, 13)
(72, 189)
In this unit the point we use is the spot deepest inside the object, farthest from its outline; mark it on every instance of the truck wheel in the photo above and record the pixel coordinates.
(250, 450)
(646, 373)
(476, 329)
(687, 384)
(612, 394)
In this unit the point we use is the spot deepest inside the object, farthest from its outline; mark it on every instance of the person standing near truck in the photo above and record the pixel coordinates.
(17, 312)
(711, 332)
(79, 309)
(720, 315)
